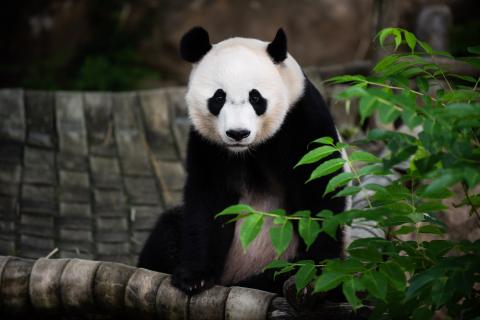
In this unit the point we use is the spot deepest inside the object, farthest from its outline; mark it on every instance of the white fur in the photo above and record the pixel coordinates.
(237, 66)
(347, 230)
(238, 116)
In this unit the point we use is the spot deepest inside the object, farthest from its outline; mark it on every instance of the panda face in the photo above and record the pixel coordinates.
(238, 96)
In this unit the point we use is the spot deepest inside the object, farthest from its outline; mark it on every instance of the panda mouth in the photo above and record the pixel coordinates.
(237, 146)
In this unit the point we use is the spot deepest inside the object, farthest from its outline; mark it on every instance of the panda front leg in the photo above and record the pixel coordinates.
(162, 249)
(205, 240)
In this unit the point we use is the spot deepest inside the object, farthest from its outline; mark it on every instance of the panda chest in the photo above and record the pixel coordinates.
(241, 264)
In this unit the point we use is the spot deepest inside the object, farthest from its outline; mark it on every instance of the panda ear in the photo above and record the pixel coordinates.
(195, 44)
(277, 49)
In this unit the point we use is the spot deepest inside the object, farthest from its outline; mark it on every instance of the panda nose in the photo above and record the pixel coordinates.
(238, 135)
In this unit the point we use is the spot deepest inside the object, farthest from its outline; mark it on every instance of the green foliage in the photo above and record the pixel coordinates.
(401, 279)
(108, 59)
(116, 72)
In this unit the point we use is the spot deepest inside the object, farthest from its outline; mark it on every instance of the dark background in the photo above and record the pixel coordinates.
(123, 45)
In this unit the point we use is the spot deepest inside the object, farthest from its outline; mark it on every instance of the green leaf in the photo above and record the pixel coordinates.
(387, 112)
(446, 179)
(377, 188)
(366, 107)
(474, 49)
(473, 61)
(374, 169)
(349, 288)
(326, 168)
(395, 32)
(472, 176)
(440, 293)
(431, 206)
(420, 281)
(422, 314)
(276, 264)
(437, 248)
(399, 220)
(398, 38)
(304, 275)
(250, 228)
(286, 269)
(406, 262)
(385, 62)
(425, 47)
(281, 236)
(348, 266)
(411, 118)
(348, 191)
(346, 78)
(462, 110)
(365, 253)
(309, 230)
(328, 280)
(412, 72)
(316, 155)
(410, 39)
(462, 77)
(441, 193)
(383, 34)
(325, 213)
(363, 156)
(324, 140)
(330, 227)
(431, 229)
(235, 209)
(422, 84)
(394, 274)
(338, 181)
(301, 213)
(376, 284)
(351, 92)
(278, 212)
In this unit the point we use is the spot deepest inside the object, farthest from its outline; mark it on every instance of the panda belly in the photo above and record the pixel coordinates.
(241, 264)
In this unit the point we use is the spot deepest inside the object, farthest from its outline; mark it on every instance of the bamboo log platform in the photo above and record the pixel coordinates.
(86, 289)
(69, 287)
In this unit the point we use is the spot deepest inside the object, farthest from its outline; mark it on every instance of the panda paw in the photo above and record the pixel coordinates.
(191, 282)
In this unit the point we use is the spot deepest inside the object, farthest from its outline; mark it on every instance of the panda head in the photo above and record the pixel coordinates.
(240, 89)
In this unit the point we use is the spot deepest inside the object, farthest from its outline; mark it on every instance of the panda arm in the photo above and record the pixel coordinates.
(205, 240)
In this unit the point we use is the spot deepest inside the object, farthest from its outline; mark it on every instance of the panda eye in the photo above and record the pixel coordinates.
(254, 96)
(216, 102)
(258, 102)
(219, 96)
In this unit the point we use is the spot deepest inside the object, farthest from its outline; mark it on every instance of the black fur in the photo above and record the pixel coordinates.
(216, 102)
(215, 178)
(195, 44)
(277, 49)
(258, 102)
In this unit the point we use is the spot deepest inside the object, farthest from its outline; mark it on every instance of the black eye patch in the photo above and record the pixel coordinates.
(258, 102)
(216, 102)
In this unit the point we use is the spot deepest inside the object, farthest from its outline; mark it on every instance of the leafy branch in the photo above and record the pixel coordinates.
(402, 279)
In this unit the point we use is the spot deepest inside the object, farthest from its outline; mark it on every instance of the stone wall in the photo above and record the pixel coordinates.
(88, 173)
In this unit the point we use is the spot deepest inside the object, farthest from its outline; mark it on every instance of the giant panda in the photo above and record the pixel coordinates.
(253, 113)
